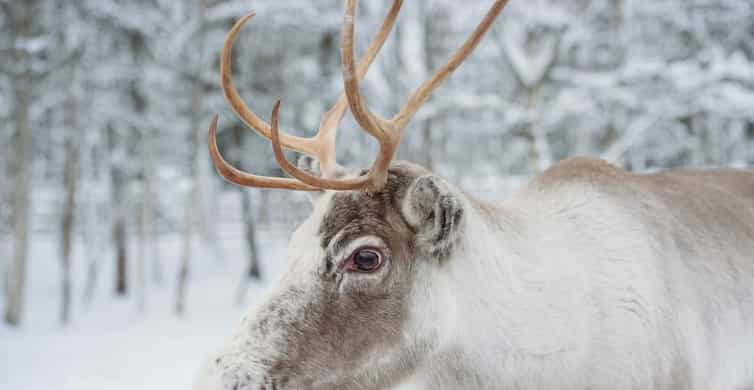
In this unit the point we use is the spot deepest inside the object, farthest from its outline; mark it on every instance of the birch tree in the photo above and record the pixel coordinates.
(22, 15)
(252, 269)
(193, 201)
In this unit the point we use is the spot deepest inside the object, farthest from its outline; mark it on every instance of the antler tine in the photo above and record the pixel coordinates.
(322, 145)
(382, 128)
(377, 176)
(368, 121)
(425, 90)
(299, 144)
(330, 121)
(329, 124)
(384, 131)
(305, 177)
(389, 132)
(236, 176)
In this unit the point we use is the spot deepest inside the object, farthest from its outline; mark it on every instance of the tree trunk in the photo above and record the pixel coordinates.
(427, 147)
(250, 236)
(22, 88)
(263, 207)
(193, 202)
(91, 162)
(5, 258)
(540, 153)
(146, 239)
(184, 269)
(252, 271)
(208, 199)
(93, 247)
(70, 178)
(121, 252)
(120, 233)
(5, 206)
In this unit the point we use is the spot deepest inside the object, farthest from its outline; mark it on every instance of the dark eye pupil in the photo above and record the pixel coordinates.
(367, 260)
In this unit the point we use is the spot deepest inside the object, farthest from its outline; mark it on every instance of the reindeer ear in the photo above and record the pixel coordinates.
(435, 212)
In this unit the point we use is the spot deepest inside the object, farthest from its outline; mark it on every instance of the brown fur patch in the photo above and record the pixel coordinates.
(306, 332)
(361, 212)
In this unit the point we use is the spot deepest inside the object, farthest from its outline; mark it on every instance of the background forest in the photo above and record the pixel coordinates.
(124, 257)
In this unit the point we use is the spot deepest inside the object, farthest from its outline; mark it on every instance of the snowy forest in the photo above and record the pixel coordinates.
(115, 230)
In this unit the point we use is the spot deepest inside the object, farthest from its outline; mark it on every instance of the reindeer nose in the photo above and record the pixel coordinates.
(208, 378)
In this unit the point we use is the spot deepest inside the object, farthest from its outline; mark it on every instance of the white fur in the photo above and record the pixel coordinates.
(552, 294)
(567, 289)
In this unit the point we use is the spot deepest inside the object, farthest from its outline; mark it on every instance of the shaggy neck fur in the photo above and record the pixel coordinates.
(573, 287)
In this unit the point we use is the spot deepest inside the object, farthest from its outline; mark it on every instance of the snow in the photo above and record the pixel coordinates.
(114, 345)
(32, 45)
(530, 68)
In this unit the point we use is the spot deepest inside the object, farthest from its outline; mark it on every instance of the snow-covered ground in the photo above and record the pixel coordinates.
(112, 344)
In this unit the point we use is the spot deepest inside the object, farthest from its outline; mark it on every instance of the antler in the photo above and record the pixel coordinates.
(321, 146)
(387, 132)
(237, 176)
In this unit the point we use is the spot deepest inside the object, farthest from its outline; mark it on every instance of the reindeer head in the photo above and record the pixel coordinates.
(356, 306)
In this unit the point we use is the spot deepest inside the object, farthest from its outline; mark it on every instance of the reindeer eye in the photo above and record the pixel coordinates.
(364, 260)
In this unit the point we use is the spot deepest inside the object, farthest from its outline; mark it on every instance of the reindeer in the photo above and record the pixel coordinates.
(590, 277)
